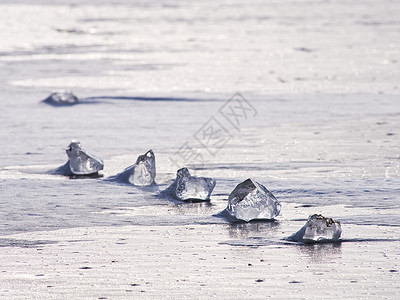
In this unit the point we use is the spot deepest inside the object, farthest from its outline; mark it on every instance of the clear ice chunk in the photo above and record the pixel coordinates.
(61, 98)
(142, 173)
(187, 187)
(251, 200)
(318, 229)
(81, 162)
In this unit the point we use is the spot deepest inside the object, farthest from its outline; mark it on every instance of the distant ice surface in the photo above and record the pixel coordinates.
(323, 77)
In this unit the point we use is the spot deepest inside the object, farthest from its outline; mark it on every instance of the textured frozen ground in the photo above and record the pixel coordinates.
(323, 77)
(187, 262)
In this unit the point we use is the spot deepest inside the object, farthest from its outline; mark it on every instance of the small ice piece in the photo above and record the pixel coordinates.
(318, 229)
(61, 98)
(251, 200)
(142, 173)
(187, 187)
(81, 162)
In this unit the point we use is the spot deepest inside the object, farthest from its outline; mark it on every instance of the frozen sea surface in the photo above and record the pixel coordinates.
(317, 122)
(323, 79)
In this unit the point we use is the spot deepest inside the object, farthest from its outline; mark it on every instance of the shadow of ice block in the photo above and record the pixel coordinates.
(318, 229)
(142, 173)
(187, 187)
(62, 98)
(79, 162)
(250, 200)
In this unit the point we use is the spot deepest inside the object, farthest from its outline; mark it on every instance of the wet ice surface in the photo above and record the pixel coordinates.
(353, 162)
(43, 203)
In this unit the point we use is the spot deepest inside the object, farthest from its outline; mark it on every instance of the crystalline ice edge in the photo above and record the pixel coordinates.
(144, 171)
(81, 162)
(251, 200)
(318, 229)
(61, 98)
(187, 187)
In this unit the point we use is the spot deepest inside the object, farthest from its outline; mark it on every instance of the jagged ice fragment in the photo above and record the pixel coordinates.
(81, 162)
(318, 229)
(187, 187)
(251, 200)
